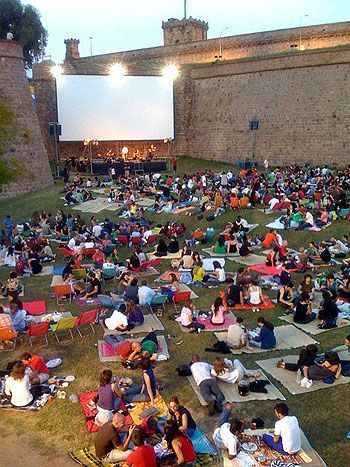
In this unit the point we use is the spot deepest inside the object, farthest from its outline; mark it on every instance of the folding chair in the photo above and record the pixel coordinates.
(109, 249)
(148, 264)
(88, 252)
(35, 308)
(108, 274)
(181, 297)
(152, 239)
(86, 317)
(65, 252)
(79, 274)
(64, 324)
(158, 301)
(38, 329)
(136, 240)
(62, 290)
(122, 240)
(8, 334)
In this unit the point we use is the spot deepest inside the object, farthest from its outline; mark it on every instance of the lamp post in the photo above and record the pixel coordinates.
(300, 25)
(220, 42)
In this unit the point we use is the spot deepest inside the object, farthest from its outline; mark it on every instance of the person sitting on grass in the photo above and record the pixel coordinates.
(303, 311)
(94, 288)
(98, 258)
(306, 359)
(286, 297)
(18, 317)
(218, 310)
(17, 385)
(144, 454)
(329, 369)
(287, 434)
(134, 313)
(236, 334)
(112, 441)
(107, 400)
(148, 390)
(182, 416)
(234, 295)
(198, 274)
(118, 320)
(246, 247)
(13, 285)
(39, 373)
(5, 323)
(255, 294)
(180, 444)
(187, 318)
(173, 287)
(217, 277)
(328, 312)
(307, 285)
(226, 432)
(219, 247)
(266, 338)
(231, 371)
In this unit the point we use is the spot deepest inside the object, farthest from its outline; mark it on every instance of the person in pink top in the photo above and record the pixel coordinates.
(218, 312)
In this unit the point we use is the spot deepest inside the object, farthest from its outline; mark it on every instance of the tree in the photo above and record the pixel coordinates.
(25, 24)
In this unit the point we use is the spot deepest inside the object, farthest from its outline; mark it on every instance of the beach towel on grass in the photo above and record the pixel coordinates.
(85, 303)
(151, 271)
(288, 378)
(89, 415)
(261, 268)
(287, 337)
(56, 280)
(250, 260)
(159, 403)
(151, 256)
(106, 352)
(312, 327)
(5, 405)
(229, 319)
(150, 321)
(209, 252)
(230, 391)
(201, 443)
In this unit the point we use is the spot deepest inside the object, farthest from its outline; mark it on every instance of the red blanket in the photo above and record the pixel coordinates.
(268, 305)
(91, 426)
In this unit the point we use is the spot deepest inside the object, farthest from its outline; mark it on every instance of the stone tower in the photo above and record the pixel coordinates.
(22, 143)
(184, 31)
(72, 49)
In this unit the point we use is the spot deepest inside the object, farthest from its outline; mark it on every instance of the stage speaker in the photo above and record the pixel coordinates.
(52, 129)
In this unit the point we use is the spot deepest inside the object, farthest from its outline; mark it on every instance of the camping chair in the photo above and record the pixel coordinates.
(109, 249)
(122, 239)
(8, 334)
(88, 252)
(158, 301)
(35, 308)
(152, 239)
(65, 252)
(79, 274)
(62, 290)
(136, 240)
(181, 297)
(108, 274)
(244, 202)
(148, 264)
(64, 324)
(38, 329)
(86, 317)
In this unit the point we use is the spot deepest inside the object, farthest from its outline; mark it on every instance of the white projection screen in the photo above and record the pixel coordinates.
(103, 108)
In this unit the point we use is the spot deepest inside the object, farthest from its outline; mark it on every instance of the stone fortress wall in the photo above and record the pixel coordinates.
(24, 142)
(294, 81)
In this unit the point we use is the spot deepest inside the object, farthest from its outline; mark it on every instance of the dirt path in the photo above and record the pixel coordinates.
(15, 453)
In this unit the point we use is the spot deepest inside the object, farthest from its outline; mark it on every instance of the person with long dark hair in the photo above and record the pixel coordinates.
(266, 338)
(180, 444)
(182, 416)
(218, 310)
(306, 359)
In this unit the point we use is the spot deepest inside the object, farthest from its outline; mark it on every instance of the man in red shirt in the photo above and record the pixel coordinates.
(39, 371)
(144, 455)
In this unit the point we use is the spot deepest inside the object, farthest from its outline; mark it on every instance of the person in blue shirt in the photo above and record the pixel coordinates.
(18, 318)
(8, 224)
(266, 338)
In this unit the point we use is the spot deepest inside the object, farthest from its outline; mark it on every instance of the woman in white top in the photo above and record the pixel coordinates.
(255, 295)
(10, 257)
(187, 320)
(218, 276)
(231, 371)
(17, 386)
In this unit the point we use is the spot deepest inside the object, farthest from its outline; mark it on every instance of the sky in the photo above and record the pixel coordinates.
(117, 25)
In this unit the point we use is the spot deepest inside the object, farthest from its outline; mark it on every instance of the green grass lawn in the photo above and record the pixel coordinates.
(59, 426)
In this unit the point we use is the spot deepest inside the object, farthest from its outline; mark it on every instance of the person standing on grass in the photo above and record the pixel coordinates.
(286, 439)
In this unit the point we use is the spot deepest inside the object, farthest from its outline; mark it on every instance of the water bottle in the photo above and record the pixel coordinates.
(299, 377)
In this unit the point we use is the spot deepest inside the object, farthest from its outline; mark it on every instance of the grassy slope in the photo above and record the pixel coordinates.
(59, 427)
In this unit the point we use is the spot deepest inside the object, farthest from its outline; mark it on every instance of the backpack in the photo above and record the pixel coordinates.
(186, 277)
(184, 370)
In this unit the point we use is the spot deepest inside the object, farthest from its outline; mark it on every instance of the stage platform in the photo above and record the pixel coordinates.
(102, 168)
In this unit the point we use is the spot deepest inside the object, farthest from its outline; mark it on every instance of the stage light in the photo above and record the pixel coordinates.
(117, 70)
(125, 150)
(56, 71)
(170, 72)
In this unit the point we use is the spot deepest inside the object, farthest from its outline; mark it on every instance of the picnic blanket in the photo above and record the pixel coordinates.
(46, 271)
(230, 391)
(180, 210)
(89, 414)
(58, 270)
(151, 256)
(186, 288)
(151, 321)
(263, 306)
(208, 263)
(250, 260)
(201, 443)
(85, 303)
(312, 328)
(307, 455)
(210, 252)
(106, 352)
(277, 225)
(56, 280)
(165, 277)
(6, 405)
(151, 271)
(229, 319)
(287, 337)
(288, 378)
(261, 268)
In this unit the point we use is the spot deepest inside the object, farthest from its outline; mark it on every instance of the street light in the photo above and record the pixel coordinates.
(220, 42)
(300, 24)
